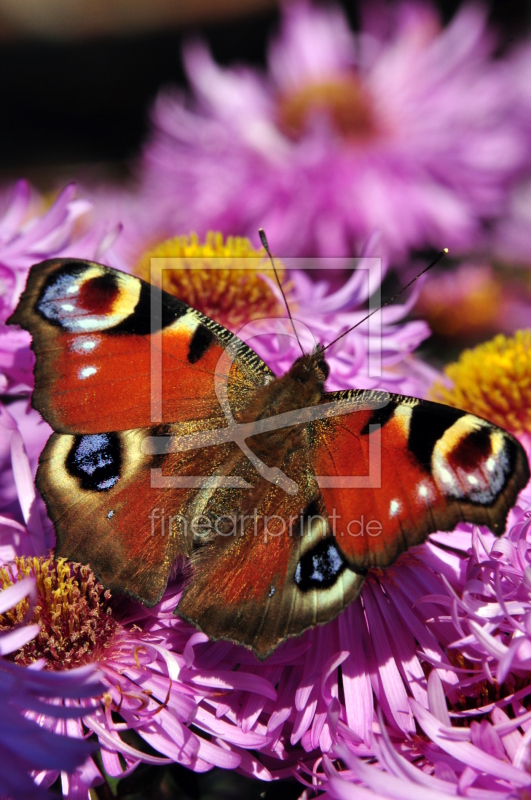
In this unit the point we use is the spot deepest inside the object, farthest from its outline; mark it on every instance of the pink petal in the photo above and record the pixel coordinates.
(466, 752)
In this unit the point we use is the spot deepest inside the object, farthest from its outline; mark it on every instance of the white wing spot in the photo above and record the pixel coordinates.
(84, 344)
(472, 480)
(89, 324)
(72, 289)
(86, 372)
(394, 508)
(445, 475)
(423, 490)
(67, 306)
(491, 464)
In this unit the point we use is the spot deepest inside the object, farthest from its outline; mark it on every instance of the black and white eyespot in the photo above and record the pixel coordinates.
(82, 298)
(320, 567)
(96, 461)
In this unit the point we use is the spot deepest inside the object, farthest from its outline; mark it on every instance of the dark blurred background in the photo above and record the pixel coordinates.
(78, 76)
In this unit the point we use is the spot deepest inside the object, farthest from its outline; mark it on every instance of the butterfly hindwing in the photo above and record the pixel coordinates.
(115, 508)
(275, 571)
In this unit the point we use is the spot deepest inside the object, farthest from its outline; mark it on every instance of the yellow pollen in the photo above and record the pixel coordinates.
(343, 99)
(72, 610)
(493, 380)
(223, 279)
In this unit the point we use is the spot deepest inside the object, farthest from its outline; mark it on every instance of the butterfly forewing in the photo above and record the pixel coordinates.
(105, 342)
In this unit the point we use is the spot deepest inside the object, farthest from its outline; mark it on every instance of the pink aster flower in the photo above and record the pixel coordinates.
(356, 688)
(29, 698)
(475, 718)
(137, 652)
(417, 134)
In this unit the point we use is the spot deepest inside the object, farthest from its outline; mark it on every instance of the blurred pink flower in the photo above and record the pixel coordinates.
(510, 239)
(415, 133)
(31, 713)
(474, 301)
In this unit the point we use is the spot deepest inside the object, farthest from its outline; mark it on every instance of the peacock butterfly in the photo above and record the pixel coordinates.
(281, 495)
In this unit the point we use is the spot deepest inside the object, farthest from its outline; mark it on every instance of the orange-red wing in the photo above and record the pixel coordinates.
(114, 353)
(393, 469)
(274, 569)
(124, 512)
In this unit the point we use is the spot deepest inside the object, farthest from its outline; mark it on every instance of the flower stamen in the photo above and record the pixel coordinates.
(72, 609)
(343, 99)
(493, 380)
(223, 279)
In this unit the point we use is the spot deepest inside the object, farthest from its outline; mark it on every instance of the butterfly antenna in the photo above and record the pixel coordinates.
(435, 261)
(263, 239)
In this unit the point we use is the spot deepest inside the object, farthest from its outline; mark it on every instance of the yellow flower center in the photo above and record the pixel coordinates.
(72, 610)
(493, 380)
(223, 279)
(343, 99)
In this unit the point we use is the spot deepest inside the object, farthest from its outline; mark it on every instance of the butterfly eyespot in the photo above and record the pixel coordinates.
(320, 567)
(96, 461)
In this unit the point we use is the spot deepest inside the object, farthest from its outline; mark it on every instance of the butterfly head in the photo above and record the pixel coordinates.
(311, 368)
